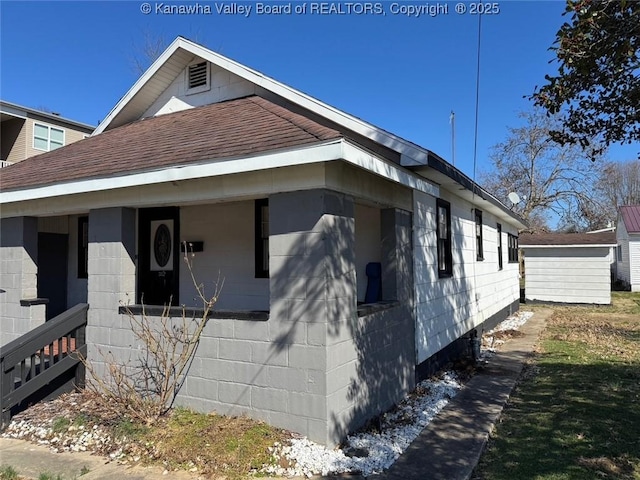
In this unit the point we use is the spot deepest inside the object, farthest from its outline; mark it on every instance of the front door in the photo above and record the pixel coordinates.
(158, 256)
(53, 251)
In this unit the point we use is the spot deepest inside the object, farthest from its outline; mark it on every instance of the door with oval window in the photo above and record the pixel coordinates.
(158, 256)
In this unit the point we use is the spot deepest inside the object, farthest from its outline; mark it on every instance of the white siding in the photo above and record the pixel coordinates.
(634, 262)
(224, 86)
(568, 275)
(447, 308)
(227, 231)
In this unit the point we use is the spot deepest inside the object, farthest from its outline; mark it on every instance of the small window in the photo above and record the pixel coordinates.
(499, 229)
(479, 250)
(262, 237)
(443, 233)
(47, 138)
(619, 250)
(513, 249)
(197, 77)
(83, 247)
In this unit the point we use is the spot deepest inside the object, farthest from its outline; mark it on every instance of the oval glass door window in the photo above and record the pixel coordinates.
(162, 245)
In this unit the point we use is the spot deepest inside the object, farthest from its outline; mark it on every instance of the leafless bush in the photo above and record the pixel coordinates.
(146, 388)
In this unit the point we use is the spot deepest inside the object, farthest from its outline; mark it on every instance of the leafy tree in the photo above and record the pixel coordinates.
(553, 181)
(598, 82)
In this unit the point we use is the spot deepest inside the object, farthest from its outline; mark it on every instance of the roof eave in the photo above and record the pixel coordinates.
(411, 154)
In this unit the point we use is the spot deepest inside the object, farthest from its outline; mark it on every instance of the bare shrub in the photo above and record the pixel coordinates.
(146, 388)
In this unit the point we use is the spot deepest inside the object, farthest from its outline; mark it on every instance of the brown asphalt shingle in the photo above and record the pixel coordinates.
(234, 128)
(604, 238)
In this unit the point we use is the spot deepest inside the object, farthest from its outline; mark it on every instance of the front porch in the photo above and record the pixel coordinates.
(291, 344)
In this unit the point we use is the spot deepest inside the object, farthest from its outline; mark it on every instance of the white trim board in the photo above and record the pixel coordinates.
(324, 152)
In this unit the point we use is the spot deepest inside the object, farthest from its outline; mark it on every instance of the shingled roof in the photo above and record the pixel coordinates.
(229, 129)
(631, 218)
(567, 239)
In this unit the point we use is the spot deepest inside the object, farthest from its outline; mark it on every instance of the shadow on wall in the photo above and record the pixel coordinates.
(369, 361)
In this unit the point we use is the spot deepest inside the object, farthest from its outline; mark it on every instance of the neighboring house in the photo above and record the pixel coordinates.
(286, 198)
(26, 132)
(628, 247)
(568, 267)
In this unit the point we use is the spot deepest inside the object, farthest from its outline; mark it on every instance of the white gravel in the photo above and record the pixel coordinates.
(377, 451)
(367, 453)
(490, 341)
(399, 428)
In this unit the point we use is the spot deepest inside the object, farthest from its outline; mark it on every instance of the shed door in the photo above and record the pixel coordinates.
(158, 256)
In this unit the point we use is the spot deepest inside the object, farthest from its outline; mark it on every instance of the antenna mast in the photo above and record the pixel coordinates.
(452, 121)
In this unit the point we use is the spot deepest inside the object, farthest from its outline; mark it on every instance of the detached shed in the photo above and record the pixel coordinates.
(628, 251)
(568, 267)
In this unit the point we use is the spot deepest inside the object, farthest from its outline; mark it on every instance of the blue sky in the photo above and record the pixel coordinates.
(404, 74)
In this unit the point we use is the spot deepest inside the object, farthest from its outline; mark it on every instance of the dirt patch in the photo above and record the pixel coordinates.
(619, 468)
(594, 330)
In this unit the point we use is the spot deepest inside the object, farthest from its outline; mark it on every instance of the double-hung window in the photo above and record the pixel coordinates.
(443, 233)
(479, 250)
(499, 230)
(513, 249)
(47, 138)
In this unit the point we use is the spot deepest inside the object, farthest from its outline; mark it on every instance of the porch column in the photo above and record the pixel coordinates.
(111, 279)
(397, 255)
(18, 277)
(313, 297)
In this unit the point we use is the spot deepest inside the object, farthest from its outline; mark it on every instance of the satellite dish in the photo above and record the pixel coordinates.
(514, 198)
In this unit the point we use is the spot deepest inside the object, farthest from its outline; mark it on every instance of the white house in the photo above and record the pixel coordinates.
(289, 200)
(628, 247)
(568, 267)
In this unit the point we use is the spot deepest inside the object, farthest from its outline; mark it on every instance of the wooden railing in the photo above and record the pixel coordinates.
(43, 362)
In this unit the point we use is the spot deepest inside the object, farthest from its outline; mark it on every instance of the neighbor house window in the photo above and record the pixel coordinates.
(513, 249)
(443, 232)
(262, 237)
(619, 249)
(47, 138)
(499, 229)
(83, 247)
(479, 251)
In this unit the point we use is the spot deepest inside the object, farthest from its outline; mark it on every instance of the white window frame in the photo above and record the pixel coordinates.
(202, 88)
(48, 139)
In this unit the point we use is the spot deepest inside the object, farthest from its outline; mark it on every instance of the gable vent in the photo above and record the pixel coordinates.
(198, 75)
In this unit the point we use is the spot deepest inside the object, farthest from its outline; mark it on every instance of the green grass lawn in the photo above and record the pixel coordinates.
(576, 412)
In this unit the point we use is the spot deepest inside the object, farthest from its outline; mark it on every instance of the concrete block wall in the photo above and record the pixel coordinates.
(18, 277)
(313, 293)
(111, 282)
(371, 359)
(227, 230)
(368, 246)
(76, 287)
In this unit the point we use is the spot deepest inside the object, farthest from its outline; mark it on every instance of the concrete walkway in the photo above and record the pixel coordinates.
(447, 449)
